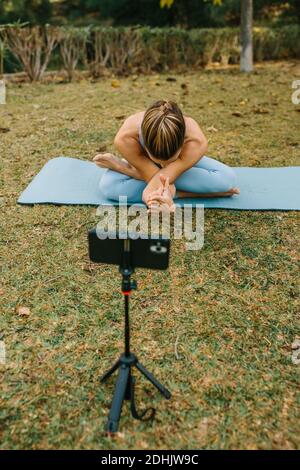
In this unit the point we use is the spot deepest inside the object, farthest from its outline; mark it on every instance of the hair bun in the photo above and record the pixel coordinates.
(165, 107)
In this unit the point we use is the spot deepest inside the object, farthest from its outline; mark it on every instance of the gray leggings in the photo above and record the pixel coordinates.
(206, 176)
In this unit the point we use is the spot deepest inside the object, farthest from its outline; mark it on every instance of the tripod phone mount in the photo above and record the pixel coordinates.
(129, 253)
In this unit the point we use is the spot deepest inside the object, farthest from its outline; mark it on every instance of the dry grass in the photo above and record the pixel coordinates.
(232, 308)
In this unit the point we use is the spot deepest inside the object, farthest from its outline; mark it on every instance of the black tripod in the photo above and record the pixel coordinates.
(124, 389)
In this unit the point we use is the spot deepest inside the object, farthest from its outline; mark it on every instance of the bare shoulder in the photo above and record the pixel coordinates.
(193, 130)
(131, 124)
(135, 118)
(192, 126)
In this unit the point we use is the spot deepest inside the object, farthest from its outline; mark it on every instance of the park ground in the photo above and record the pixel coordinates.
(216, 328)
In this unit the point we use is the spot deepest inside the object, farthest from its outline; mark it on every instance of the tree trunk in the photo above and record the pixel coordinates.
(246, 61)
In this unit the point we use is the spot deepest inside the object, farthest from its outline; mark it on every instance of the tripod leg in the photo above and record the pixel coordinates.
(153, 380)
(117, 402)
(108, 373)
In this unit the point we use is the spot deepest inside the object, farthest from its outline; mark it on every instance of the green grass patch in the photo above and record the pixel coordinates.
(216, 328)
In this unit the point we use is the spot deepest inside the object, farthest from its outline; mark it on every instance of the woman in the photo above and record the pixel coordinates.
(163, 160)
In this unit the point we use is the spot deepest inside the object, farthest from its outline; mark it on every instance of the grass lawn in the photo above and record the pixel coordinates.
(216, 328)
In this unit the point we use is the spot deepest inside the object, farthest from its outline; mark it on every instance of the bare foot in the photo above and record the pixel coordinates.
(228, 193)
(231, 192)
(108, 160)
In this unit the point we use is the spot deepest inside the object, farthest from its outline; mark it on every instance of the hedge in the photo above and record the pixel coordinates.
(124, 50)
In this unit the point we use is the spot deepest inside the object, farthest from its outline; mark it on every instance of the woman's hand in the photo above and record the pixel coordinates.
(154, 185)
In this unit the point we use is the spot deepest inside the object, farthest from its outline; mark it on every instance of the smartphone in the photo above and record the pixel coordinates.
(151, 253)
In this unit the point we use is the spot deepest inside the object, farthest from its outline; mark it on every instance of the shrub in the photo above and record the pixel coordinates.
(123, 50)
(32, 46)
(72, 43)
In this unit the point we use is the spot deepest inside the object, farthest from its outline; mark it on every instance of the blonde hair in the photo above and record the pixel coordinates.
(163, 129)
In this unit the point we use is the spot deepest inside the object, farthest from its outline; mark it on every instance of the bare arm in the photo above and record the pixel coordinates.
(130, 149)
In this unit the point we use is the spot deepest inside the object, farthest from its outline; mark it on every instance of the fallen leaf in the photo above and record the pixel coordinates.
(296, 357)
(237, 114)
(102, 148)
(22, 311)
(88, 267)
(212, 129)
(115, 83)
(202, 429)
(260, 111)
(296, 344)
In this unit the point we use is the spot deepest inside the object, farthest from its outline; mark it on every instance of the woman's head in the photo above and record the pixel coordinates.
(163, 130)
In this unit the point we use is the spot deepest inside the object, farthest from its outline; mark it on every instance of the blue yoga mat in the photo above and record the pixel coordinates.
(65, 180)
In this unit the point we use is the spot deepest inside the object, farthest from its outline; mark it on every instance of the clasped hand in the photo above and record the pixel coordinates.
(161, 199)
